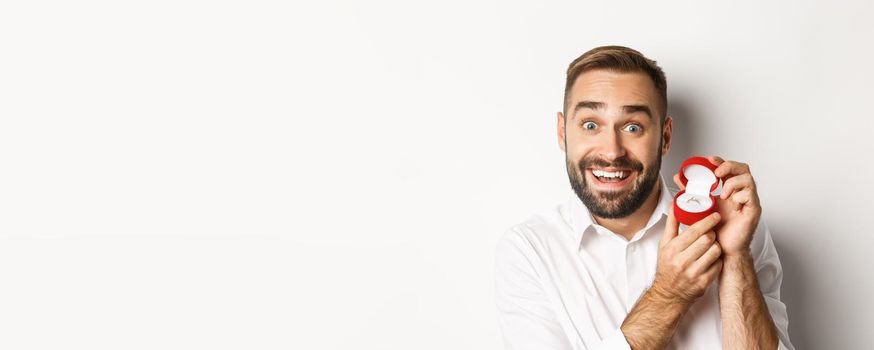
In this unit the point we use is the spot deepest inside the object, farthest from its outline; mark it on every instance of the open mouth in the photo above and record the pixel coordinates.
(611, 177)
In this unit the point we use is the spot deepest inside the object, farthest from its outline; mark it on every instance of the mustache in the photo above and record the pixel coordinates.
(624, 163)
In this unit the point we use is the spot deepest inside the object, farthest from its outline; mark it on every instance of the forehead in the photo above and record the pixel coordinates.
(614, 88)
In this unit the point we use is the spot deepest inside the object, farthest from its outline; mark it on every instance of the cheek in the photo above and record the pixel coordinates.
(646, 148)
(644, 157)
(580, 145)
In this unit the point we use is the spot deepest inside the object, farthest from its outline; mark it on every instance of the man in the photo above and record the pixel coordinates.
(609, 269)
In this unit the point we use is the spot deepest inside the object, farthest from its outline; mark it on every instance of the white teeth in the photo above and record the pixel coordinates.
(601, 173)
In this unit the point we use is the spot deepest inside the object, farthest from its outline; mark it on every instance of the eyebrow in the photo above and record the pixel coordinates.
(628, 109)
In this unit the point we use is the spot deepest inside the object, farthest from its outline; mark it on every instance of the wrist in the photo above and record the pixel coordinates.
(741, 255)
(736, 269)
(659, 295)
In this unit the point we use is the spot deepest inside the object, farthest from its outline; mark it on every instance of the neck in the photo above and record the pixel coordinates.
(629, 225)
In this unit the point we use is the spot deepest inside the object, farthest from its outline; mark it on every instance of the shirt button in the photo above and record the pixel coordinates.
(634, 248)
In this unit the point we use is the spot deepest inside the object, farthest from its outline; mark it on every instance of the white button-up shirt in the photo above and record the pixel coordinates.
(565, 282)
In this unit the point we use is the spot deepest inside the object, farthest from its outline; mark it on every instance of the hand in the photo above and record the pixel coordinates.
(738, 204)
(687, 263)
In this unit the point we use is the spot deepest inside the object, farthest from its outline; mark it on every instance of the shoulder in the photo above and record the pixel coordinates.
(523, 248)
(546, 225)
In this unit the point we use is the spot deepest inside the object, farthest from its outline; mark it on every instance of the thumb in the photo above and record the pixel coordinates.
(671, 227)
(678, 182)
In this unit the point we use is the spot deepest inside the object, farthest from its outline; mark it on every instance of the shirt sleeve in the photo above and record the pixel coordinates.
(769, 273)
(525, 315)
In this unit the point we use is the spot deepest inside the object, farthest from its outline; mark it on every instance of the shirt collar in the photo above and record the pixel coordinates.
(581, 219)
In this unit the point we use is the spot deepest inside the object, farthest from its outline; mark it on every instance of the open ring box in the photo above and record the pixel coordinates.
(697, 200)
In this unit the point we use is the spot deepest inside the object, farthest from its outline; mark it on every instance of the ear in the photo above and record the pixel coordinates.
(667, 131)
(561, 131)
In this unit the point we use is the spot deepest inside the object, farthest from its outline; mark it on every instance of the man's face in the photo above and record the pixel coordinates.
(612, 140)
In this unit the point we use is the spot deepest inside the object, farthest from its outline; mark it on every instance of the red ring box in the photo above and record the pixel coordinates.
(696, 201)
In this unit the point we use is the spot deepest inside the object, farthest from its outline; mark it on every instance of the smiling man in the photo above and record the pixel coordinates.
(609, 269)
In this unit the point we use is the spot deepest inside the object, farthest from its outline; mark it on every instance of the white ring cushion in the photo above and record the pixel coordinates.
(700, 180)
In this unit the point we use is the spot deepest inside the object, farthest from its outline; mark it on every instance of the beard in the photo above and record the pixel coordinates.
(614, 204)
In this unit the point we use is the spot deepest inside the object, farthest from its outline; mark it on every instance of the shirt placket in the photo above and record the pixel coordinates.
(638, 271)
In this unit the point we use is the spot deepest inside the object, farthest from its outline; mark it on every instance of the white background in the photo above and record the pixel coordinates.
(274, 175)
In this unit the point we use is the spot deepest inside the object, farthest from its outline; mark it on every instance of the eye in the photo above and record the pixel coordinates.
(633, 128)
(589, 125)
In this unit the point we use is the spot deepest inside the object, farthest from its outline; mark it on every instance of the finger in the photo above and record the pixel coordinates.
(731, 168)
(671, 228)
(678, 182)
(735, 184)
(706, 260)
(716, 160)
(698, 248)
(696, 230)
(742, 198)
(713, 271)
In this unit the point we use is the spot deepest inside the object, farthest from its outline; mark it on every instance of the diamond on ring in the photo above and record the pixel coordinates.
(693, 199)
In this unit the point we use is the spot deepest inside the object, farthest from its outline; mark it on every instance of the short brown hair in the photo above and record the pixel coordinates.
(620, 59)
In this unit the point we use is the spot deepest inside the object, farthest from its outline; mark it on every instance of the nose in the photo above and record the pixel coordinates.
(611, 147)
